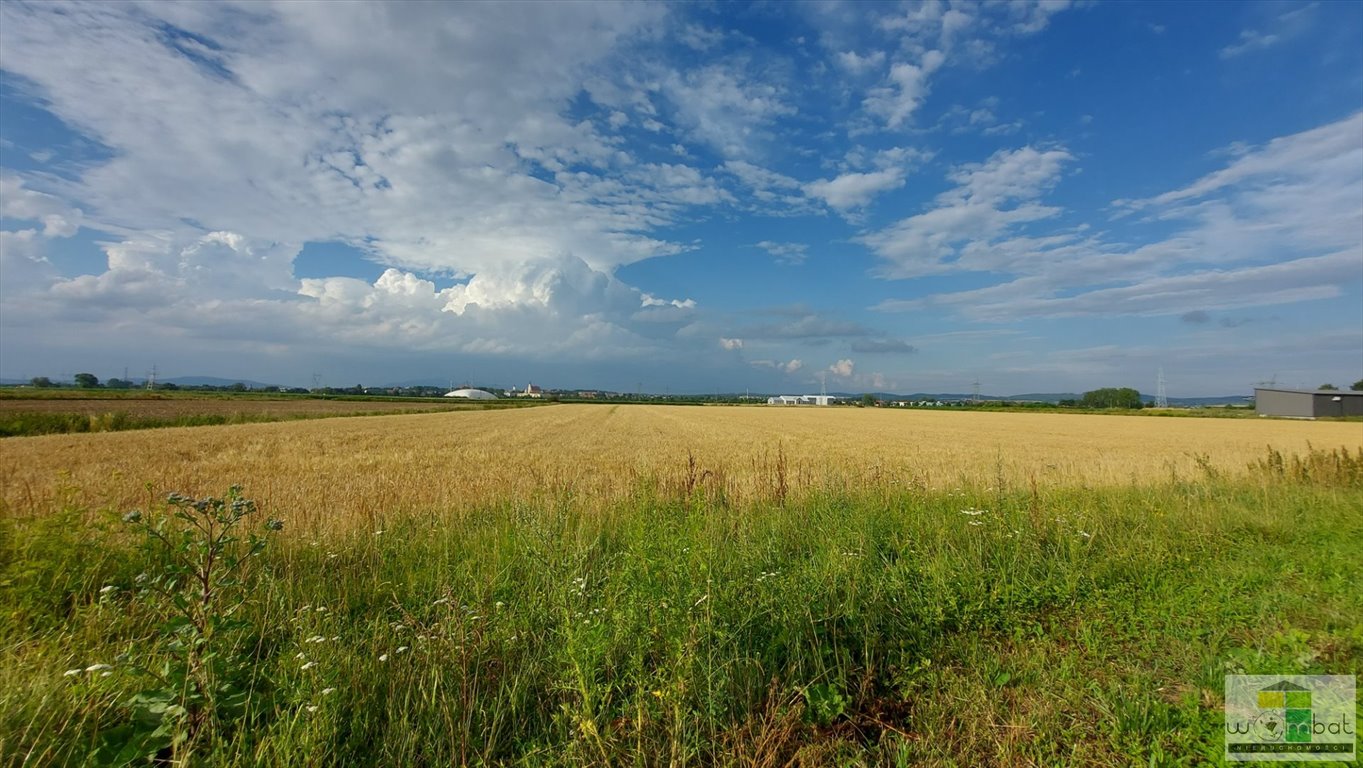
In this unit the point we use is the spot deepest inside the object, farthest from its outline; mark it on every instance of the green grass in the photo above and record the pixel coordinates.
(1069, 627)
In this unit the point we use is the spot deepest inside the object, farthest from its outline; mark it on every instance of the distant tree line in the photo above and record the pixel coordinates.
(1112, 397)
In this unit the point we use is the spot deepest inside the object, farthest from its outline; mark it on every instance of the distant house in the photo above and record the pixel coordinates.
(1307, 403)
(531, 390)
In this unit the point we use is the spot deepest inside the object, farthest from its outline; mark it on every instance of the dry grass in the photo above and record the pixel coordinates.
(338, 474)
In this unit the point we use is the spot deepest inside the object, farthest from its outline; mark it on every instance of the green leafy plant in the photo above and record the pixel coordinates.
(199, 581)
(824, 703)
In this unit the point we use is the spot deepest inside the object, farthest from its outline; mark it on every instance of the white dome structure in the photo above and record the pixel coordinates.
(471, 394)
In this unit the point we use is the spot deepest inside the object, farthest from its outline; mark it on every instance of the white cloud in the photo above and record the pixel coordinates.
(905, 88)
(1250, 40)
(730, 344)
(699, 38)
(854, 190)
(1032, 17)
(1313, 278)
(1224, 236)
(860, 65)
(841, 368)
(23, 204)
(767, 190)
(791, 254)
(989, 200)
(759, 178)
(788, 367)
(1286, 26)
(931, 35)
(442, 149)
(719, 107)
(23, 265)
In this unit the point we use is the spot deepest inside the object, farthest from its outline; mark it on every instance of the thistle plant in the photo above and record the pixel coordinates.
(198, 583)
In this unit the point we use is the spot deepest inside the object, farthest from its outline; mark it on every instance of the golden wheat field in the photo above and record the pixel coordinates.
(336, 474)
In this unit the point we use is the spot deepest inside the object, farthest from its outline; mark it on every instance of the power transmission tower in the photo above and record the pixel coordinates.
(1161, 399)
(975, 392)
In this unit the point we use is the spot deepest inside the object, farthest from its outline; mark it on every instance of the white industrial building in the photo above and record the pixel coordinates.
(471, 394)
(801, 400)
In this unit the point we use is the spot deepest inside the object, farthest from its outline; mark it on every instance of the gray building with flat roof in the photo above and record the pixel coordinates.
(1307, 403)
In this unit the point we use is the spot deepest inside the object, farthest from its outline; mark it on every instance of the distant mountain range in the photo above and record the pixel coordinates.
(212, 381)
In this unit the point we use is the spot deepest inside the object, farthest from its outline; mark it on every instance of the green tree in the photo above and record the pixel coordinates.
(41, 381)
(1357, 386)
(118, 384)
(1328, 386)
(868, 400)
(1112, 397)
(87, 380)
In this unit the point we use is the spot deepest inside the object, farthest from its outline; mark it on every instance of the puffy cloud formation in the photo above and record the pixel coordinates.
(841, 368)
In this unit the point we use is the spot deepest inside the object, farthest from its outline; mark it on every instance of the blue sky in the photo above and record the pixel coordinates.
(1041, 196)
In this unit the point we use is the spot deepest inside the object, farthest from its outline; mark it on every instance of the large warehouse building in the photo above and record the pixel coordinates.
(1307, 403)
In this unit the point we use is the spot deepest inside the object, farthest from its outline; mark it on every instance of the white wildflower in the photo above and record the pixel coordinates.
(97, 667)
(315, 639)
(72, 672)
(383, 657)
(308, 666)
(328, 691)
(312, 708)
(107, 588)
(402, 649)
